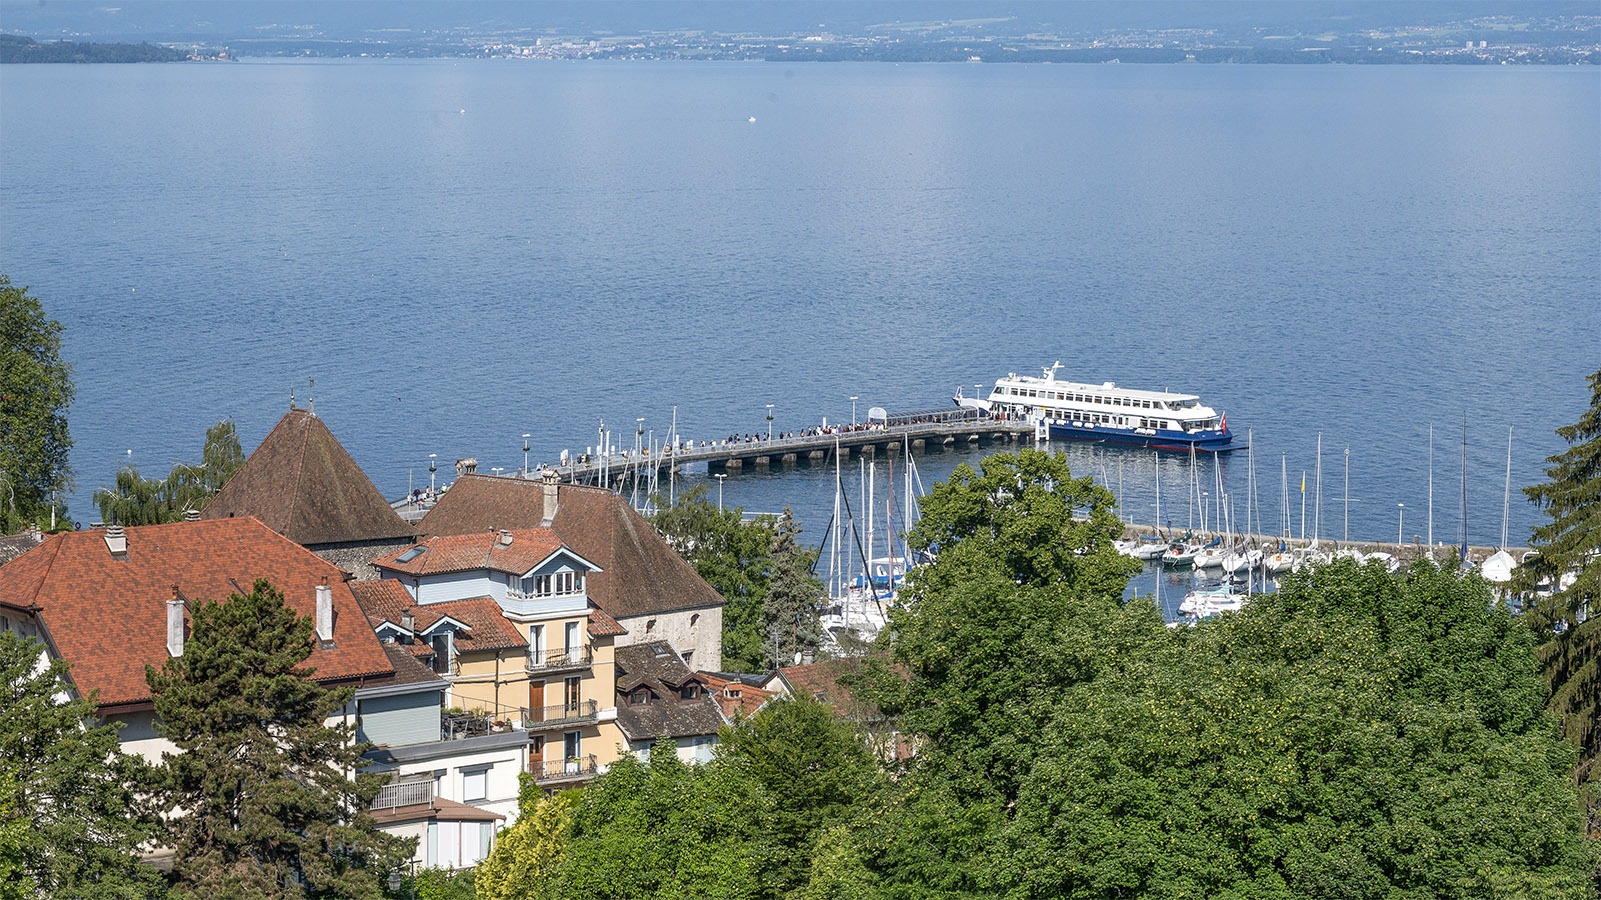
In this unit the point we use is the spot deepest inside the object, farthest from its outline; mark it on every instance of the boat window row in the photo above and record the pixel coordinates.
(1070, 397)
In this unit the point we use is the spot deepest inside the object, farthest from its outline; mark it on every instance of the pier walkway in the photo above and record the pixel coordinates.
(942, 427)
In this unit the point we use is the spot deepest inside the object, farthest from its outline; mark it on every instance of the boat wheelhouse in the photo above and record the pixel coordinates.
(1105, 412)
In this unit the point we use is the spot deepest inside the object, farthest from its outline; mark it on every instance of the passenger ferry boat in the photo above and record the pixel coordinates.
(1106, 412)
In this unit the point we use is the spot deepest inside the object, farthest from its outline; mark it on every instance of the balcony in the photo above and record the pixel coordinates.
(405, 790)
(548, 771)
(562, 714)
(545, 662)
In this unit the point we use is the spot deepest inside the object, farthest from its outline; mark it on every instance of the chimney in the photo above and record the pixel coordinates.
(505, 539)
(325, 613)
(116, 541)
(175, 624)
(191, 515)
(551, 497)
(408, 622)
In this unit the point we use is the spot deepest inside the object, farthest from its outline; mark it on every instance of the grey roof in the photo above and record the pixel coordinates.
(654, 665)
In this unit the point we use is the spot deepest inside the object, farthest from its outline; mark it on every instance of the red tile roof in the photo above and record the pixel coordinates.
(602, 625)
(387, 601)
(490, 550)
(737, 699)
(303, 484)
(108, 615)
(641, 574)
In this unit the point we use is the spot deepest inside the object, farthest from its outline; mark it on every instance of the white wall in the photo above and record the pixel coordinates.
(696, 630)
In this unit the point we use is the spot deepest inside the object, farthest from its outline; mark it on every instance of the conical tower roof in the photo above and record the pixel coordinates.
(303, 485)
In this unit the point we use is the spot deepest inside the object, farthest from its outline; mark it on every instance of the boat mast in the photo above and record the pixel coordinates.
(1506, 497)
(1464, 549)
(1431, 486)
(1317, 493)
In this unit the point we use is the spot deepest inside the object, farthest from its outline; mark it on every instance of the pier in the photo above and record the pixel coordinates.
(916, 431)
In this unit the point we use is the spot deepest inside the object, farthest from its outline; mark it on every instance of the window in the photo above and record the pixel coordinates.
(573, 648)
(639, 697)
(536, 643)
(475, 785)
(571, 749)
(571, 692)
(689, 691)
(441, 645)
(558, 584)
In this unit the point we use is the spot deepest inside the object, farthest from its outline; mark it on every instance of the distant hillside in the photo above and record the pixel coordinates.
(17, 49)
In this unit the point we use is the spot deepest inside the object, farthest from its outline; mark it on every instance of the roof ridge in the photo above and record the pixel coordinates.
(54, 555)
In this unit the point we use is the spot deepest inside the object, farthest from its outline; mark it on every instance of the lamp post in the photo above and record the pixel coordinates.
(853, 411)
(497, 470)
(526, 436)
(720, 476)
(431, 470)
(639, 434)
(1400, 517)
(769, 421)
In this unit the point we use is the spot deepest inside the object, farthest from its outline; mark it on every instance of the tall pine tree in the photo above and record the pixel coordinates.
(69, 820)
(1568, 619)
(789, 611)
(262, 796)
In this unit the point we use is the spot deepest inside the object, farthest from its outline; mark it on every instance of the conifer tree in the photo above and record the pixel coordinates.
(69, 823)
(262, 798)
(1568, 619)
(789, 611)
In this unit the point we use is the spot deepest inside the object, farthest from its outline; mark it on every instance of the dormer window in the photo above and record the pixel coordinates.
(689, 691)
(556, 584)
(639, 697)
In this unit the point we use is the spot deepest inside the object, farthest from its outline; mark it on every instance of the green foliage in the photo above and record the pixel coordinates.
(1568, 620)
(443, 884)
(812, 771)
(35, 391)
(1022, 602)
(18, 49)
(136, 500)
(259, 797)
(732, 555)
(69, 822)
(1355, 735)
(666, 830)
(790, 609)
(527, 854)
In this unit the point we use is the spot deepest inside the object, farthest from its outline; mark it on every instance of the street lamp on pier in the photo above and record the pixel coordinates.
(853, 411)
(526, 436)
(769, 421)
(720, 476)
(431, 470)
(1400, 517)
(497, 470)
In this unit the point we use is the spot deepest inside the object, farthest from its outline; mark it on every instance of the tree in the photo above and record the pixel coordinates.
(662, 830)
(813, 772)
(732, 555)
(35, 391)
(789, 611)
(1354, 735)
(1022, 600)
(260, 796)
(136, 500)
(72, 825)
(526, 855)
(1568, 617)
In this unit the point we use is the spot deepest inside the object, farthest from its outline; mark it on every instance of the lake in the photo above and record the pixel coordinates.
(460, 252)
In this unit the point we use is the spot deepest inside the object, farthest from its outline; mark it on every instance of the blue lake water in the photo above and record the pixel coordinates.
(459, 252)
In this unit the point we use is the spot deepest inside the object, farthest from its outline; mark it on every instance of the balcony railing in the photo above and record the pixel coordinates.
(564, 769)
(561, 714)
(569, 658)
(406, 790)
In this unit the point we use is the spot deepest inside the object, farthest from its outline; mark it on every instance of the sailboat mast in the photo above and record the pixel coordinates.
(1464, 549)
(1506, 497)
(1431, 485)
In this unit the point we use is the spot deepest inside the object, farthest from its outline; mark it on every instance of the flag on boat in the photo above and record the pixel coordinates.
(1224, 423)
(1303, 482)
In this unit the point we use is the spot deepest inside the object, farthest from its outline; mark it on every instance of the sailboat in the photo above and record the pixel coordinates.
(1246, 558)
(1281, 561)
(1498, 568)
